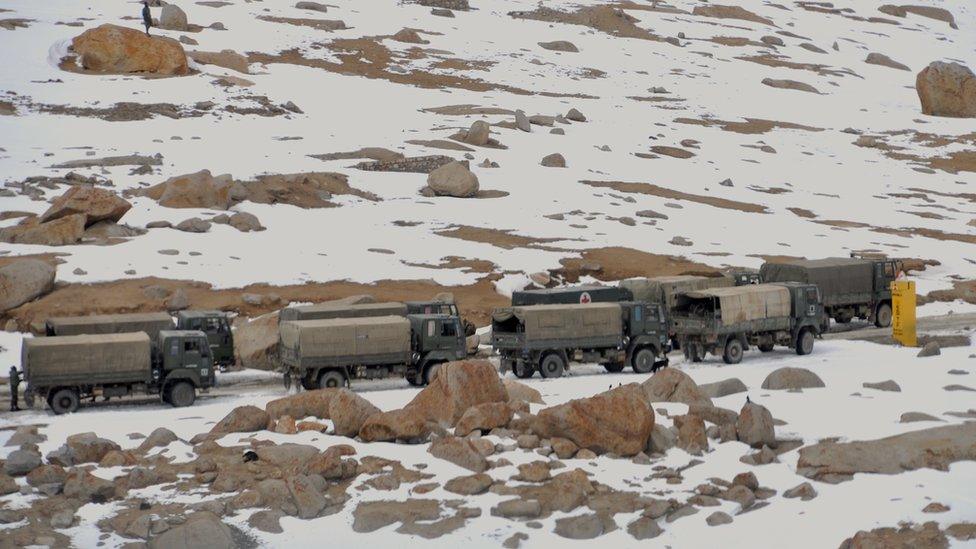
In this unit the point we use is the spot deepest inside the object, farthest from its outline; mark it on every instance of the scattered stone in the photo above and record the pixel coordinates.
(691, 434)
(454, 179)
(23, 281)
(755, 426)
(243, 419)
(200, 529)
(907, 535)
(193, 225)
(349, 412)
(885, 61)
(912, 417)
(469, 485)
(792, 378)
(805, 491)
(459, 451)
(554, 160)
(587, 526)
(672, 385)
(888, 385)
(718, 518)
(575, 115)
(560, 45)
(935, 507)
(21, 462)
(172, 18)
(932, 348)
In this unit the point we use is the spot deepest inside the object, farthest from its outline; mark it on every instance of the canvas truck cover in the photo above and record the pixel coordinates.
(746, 303)
(87, 358)
(545, 322)
(150, 323)
(342, 310)
(663, 289)
(837, 277)
(339, 337)
(569, 295)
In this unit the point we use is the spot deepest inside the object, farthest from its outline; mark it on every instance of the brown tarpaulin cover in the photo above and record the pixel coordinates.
(663, 289)
(565, 321)
(752, 302)
(340, 310)
(151, 323)
(79, 355)
(337, 337)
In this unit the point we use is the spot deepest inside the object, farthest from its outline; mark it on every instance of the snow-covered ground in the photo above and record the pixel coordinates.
(843, 409)
(820, 171)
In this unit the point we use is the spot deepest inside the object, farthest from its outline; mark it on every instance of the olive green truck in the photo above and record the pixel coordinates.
(546, 338)
(358, 310)
(64, 370)
(851, 287)
(213, 323)
(330, 352)
(727, 321)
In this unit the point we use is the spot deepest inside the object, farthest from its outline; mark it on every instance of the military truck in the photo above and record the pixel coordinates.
(65, 369)
(440, 307)
(851, 287)
(330, 352)
(727, 321)
(217, 327)
(567, 295)
(546, 338)
(662, 290)
(150, 323)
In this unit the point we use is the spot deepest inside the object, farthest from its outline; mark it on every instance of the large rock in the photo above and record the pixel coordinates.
(24, 280)
(256, 341)
(691, 434)
(459, 451)
(243, 419)
(406, 425)
(307, 403)
(755, 426)
(81, 484)
(454, 179)
(201, 529)
(619, 421)
(934, 448)
(172, 17)
(349, 412)
(672, 385)
(114, 49)
(89, 448)
(228, 59)
(723, 388)
(198, 190)
(95, 203)
(792, 378)
(21, 462)
(60, 232)
(457, 387)
(479, 134)
(520, 391)
(947, 89)
(483, 417)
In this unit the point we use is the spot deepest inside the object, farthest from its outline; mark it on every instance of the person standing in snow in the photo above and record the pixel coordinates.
(14, 388)
(146, 16)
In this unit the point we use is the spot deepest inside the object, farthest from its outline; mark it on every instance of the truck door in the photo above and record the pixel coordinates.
(638, 317)
(193, 353)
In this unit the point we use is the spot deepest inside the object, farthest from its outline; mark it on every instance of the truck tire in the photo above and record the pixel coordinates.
(733, 351)
(64, 401)
(552, 366)
(430, 372)
(765, 347)
(331, 379)
(415, 380)
(882, 317)
(614, 367)
(804, 342)
(643, 360)
(523, 370)
(182, 394)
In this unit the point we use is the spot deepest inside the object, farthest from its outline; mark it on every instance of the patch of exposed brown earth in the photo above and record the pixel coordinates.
(781, 61)
(454, 262)
(607, 19)
(617, 263)
(939, 14)
(317, 24)
(501, 238)
(467, 110)
(730, 12)
(664, 192)
(750, 126)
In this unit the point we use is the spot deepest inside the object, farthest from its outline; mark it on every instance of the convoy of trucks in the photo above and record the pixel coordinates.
(636, 323)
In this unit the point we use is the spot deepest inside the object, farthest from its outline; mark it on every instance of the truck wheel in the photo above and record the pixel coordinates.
(182, 394)
(64, 401)
(430, 372)
(804, 342)
(614, 367)
(552, 366)
(882, 318)
(414, 379)
(765, 347)
(523, 370)
(733, 351)
(331, 379)
(643, 361)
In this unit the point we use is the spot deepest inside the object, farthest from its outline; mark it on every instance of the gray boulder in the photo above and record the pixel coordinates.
(201, 529)
(24, 280)
(792, 378)
(454, 179)
(173, 18)
(21, 462)
(723, 388)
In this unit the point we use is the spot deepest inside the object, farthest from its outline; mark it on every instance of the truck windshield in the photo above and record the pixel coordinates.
(448, 329)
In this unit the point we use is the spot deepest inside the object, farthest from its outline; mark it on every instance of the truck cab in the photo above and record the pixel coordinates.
(184, 357)
(436, 339)
(646, 328)
(807, 307)
(216, 326)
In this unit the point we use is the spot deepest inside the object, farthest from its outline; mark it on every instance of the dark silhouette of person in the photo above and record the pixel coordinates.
(146, 16)
(14, 388)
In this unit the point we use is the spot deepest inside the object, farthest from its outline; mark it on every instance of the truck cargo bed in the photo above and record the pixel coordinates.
(87, 359)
